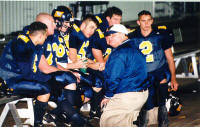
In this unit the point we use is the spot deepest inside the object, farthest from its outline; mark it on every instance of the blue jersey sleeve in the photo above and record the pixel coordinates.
(168, 39)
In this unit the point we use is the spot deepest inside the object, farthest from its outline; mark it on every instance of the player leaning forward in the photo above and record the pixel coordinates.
(125, 81)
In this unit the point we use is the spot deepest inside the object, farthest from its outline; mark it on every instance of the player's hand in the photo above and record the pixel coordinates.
(101, 66)
(80, 64)
(174, 85)
(104, 102)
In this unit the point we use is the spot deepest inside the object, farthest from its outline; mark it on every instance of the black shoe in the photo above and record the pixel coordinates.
(95, 114)
(4, 90)
(49, 119)
(58, 121)
(38, 125)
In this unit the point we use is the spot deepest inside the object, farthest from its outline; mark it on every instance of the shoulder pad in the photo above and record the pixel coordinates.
(99, 19)
(27, 32)
(131, 30)
(101, 35)
(76, 27)
(162, 27)
(24, 38)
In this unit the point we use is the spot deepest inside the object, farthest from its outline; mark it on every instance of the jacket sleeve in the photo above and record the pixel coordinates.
(113, 73)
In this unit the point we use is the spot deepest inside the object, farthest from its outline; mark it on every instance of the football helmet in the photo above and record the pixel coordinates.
(62, 14)
(173, 104)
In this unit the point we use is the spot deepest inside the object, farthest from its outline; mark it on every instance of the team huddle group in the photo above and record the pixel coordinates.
(122, 73)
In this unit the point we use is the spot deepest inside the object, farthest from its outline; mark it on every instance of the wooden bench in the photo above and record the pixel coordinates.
(182, 56)
(17, 114)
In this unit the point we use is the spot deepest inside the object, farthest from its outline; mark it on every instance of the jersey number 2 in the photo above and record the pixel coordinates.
(146, 49)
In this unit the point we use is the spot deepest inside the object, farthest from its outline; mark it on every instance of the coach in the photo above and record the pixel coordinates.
(125, 81)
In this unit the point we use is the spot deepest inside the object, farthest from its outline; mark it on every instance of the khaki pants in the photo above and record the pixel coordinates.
(123, 109)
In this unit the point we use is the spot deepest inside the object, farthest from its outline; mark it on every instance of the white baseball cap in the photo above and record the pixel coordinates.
(117, 28)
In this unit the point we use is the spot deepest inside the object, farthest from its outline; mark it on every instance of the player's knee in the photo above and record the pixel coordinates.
(43, 98)
(65, 77)
(71, 86)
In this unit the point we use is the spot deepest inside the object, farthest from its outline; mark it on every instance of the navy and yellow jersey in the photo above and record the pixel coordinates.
(153, 46)
(98, 41)
(21, 58)
(125, 70)
(49, 51)
(103, 23)
(78, 41)
(61, 46)
(26, 30)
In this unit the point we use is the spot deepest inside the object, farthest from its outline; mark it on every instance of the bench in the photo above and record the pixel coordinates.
(182, 56)
(17, 114)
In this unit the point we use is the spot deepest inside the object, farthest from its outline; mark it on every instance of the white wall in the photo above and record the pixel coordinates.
(130, 8)
(17, 14)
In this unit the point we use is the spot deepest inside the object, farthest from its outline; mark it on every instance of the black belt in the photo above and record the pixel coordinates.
(142, 90)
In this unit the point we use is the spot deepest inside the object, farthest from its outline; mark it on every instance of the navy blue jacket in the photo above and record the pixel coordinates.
(125, 70)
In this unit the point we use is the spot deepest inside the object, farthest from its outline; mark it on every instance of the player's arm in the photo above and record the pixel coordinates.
(45, 67)
(73, 54)
(170, 60)
(99, 64)
(98, 55)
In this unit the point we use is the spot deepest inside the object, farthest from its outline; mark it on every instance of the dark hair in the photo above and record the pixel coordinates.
(37, 26)
(111, 11)
(144, 12)
(90, 17)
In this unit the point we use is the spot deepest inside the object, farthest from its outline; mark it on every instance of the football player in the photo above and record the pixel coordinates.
(21, 69)
(101, 51)
(57, 50)
(111, 16)
(155, 44)
(64, 19)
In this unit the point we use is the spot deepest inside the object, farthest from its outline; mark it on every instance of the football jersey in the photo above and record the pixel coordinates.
(98, 41)
(21, 58)
(61, 46)
(153, 46)
(103, 23)
(78, 41)
(49, 50)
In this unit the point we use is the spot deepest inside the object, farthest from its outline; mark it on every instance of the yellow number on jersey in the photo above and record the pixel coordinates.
(147, 48)
(82, 52)
(50, 59)
(60, 50)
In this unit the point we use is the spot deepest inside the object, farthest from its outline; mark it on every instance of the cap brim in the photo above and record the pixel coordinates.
(109, 33)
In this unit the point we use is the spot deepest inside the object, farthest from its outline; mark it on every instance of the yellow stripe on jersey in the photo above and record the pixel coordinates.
(24, 38)
(101, 35)
(58, 14)
(34, 64)
(99, 19)
(162, 27)
(27, 32)
(60, 39)
(131, 30)
(48, 47)
(76, 28)
(66, 39)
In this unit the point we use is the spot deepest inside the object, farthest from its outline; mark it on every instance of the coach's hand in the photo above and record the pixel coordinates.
(104, 102)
